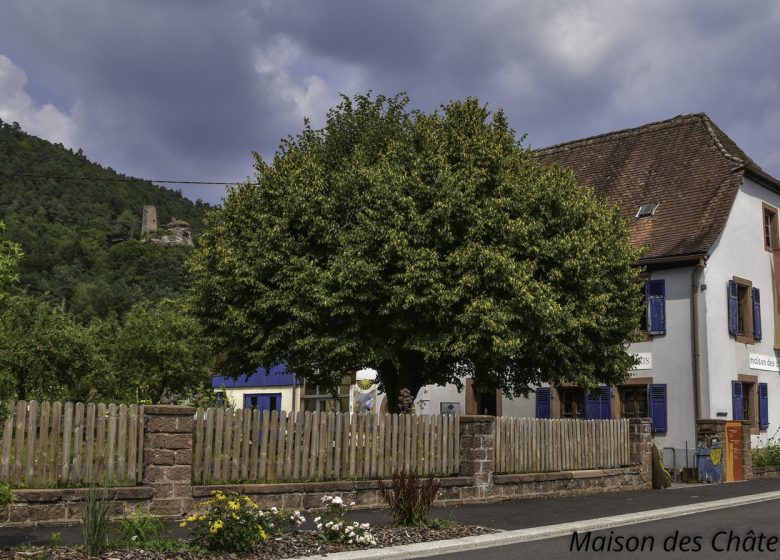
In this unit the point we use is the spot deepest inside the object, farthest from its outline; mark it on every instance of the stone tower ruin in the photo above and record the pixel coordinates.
(148, 220)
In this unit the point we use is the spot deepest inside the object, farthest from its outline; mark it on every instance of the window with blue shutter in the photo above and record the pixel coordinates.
(655, 290)
(736, 400)
(543, 402)
(658, 406)
(733, 295)
(763, 406)
(756, 314)
(599, 406)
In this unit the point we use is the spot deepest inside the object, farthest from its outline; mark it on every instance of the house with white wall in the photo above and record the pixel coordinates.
(708, 218)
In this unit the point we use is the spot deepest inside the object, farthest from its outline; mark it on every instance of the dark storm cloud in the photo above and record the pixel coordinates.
(186, 89)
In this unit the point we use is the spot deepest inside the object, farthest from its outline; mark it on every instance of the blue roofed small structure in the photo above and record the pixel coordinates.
(277, 376)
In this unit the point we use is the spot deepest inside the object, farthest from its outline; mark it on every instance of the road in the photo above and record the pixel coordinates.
(707, 537)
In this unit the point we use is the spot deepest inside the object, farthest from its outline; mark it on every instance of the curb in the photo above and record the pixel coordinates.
(435, 548)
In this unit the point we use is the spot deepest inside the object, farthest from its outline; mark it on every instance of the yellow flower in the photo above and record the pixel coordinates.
(260, 530)
(183, 524)
(191, 518)
(202, 518)
(216, 526)
(235, 506)
(234, 516)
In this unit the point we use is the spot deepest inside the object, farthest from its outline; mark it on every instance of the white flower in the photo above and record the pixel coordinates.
(316, 519)
(365, 526)
(352, 503)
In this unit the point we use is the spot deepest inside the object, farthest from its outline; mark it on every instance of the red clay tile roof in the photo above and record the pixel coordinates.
(686, 164)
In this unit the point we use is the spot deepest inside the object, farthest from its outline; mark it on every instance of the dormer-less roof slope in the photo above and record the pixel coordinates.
(686, 165)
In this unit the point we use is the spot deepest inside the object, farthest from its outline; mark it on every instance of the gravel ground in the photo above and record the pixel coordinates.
(302, 543)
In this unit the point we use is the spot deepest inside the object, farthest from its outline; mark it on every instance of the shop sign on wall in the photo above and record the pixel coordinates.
(763, 362)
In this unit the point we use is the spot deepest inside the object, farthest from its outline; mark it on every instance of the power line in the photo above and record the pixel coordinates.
(116, 179)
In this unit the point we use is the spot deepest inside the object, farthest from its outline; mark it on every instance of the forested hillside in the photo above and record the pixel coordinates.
(78, 224)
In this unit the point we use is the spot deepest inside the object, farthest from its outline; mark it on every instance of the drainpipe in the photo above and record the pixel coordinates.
(695, 276)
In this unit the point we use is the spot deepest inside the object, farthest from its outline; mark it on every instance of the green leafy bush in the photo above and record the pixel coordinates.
(409, 498)
(332, 527)
(767, 456)
(6, 495)
(141, 530)
(95, 517)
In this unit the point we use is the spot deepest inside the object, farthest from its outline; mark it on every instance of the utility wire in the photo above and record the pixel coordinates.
(116, 179)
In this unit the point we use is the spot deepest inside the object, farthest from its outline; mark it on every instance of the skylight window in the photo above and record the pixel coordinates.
(647, 210)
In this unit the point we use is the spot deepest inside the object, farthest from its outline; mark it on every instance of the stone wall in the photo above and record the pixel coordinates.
(166, 488)
(63, 505)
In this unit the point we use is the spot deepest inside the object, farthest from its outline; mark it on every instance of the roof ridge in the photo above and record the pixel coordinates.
(625, 131)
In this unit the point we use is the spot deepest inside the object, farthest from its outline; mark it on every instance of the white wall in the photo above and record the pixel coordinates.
(739, 251)
(236, 396)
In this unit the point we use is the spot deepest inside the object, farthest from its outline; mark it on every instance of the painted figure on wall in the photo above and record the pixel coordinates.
(709, 460)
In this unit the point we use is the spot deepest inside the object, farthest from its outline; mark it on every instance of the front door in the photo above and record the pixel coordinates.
(264, 401)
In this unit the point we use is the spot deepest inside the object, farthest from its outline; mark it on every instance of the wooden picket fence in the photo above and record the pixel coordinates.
(244, 445)
(529, 445)
(54, 444)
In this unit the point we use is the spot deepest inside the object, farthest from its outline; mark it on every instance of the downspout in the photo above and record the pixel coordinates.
(695, 276)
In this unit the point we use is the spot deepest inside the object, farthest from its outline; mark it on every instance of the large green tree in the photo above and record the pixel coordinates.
(426, 246)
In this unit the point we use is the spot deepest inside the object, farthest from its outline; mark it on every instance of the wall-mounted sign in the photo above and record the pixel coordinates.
(450, 408)
(763, 362)
(645, 360)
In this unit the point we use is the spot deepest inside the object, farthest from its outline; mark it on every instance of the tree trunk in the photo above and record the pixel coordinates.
(394, 380)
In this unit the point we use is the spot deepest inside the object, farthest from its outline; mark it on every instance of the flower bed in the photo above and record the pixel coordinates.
(290, 545)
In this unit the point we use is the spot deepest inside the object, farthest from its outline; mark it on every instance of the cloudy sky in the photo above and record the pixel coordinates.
(187, 89)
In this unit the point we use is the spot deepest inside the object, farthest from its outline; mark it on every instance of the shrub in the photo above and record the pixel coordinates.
(767, 456)
(278, 521)
(234, 523)
(332, 527)
(6, 495)
(94, 520)
(409, 498)
(141, 530)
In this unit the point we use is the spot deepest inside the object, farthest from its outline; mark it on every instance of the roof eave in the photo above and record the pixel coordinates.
(761, 177)
(673, 261)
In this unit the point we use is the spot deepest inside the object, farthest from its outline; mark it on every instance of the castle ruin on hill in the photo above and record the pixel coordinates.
(177, 232)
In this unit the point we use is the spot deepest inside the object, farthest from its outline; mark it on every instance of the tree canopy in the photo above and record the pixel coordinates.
(426, 246)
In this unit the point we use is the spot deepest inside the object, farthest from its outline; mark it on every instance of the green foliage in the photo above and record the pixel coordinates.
(145, 531)
(6, 494)
(95, 517)
(409, 498)
(45, 353)
(55, 539)
(767, 456)
(137, 528)
(10, 255)
(230, 524)
(332, 527)
(426, 246)
(155, 352)
(79, 236)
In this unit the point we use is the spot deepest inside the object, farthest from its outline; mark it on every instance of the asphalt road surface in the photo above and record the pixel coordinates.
(720, 535)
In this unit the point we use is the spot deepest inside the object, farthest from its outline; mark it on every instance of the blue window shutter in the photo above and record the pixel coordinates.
(756, 314)
(606, 403)
(658, 406)
(736, 399)
(543, 402)
(592, 406)
(763, 406)
(656, 306)
(733, 295)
